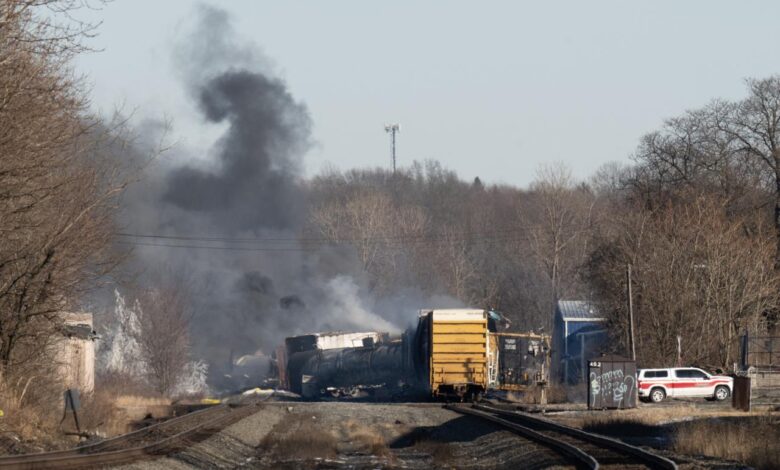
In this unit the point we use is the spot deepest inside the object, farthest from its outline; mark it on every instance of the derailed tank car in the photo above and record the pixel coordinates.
(347, 371)
(338, 363)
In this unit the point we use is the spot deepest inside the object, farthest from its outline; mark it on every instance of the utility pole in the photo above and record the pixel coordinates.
(679, 351)
(392, 129)
(632, 345)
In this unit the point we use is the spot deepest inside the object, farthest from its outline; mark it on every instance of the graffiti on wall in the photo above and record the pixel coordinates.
(611, 388)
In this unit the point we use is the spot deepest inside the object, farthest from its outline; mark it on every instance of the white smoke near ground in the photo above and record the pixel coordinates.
(194, 379)
(120, 353)
(118, 350)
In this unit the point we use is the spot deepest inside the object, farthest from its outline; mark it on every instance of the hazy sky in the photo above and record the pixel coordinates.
(491, 89)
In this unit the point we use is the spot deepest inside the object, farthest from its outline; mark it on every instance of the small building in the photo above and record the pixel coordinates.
(579, 332)
(76, 352)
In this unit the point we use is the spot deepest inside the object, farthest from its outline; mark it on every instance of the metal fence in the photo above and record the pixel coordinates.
(760, 352)
(760, 361)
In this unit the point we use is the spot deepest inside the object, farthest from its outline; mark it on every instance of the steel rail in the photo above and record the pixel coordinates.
(648, 458)
(575, 453)
(108, 443)
(109, 452)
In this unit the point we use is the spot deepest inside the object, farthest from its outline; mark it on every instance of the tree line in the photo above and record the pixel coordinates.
(696, 214)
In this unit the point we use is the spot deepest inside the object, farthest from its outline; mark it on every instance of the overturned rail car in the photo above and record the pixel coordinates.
(449, 353)
(344, 371)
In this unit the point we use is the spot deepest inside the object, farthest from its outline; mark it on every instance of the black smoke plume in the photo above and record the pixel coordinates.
(248, 186)
(255, 184)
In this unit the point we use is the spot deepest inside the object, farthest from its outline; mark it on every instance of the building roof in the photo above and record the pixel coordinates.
(78, 325)
(591, 328)
(578, 310)
(79, 331)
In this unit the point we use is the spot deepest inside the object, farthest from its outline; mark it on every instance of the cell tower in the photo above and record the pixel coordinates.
(392, 129)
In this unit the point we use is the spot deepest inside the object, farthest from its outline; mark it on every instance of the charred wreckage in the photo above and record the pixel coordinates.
(450, 353)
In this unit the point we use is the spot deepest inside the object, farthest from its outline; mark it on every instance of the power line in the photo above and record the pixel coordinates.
(212, 247)
(411, 238)
(464, 235)
(303, 248)
(309, 244)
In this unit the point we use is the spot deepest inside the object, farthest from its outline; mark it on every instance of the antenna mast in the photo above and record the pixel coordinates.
(392, 129)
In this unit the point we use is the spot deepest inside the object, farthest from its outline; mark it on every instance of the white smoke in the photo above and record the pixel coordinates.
(193, 380)
(119, 352)
(346, 307)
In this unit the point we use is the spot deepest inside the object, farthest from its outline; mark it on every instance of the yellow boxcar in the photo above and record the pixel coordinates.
(458, 351)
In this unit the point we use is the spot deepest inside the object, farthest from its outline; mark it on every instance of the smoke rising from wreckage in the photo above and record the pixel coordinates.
(452, 353)
(249, 188)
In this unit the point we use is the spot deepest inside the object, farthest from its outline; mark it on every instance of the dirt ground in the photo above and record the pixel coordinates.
(349, 435)
(413, 436)
(336, 435)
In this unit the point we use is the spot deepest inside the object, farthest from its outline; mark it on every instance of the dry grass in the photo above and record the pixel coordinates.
(441, 452)
(557, 394)
(32, 409)
(532, 395)
(366, 440)
(117, 402)
(106, 414)
(655, 415)
(305, 437)
(305, 444)
(30, 405)
(130, 401)
(301, 439)
(754, 441)
(123, 384)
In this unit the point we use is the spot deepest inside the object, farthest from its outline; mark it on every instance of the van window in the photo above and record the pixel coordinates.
(656, 374)
(690, 374)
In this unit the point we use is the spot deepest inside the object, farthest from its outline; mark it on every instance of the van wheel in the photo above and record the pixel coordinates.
(721, 392)
(657, 395)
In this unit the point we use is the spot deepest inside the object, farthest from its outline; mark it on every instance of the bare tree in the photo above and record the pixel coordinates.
(731, 149)
(697, 273)
(558, 217)
(382, 233)
(754, 126)
(163, 334)
(57, 189)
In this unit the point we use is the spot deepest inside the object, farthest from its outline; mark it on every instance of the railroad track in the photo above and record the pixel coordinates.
(584, 449)
(155, 440)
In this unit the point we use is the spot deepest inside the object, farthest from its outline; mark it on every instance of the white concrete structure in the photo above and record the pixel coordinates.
(76, 355)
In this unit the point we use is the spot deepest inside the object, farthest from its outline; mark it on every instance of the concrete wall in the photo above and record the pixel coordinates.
(76, 355)
(765, 384)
